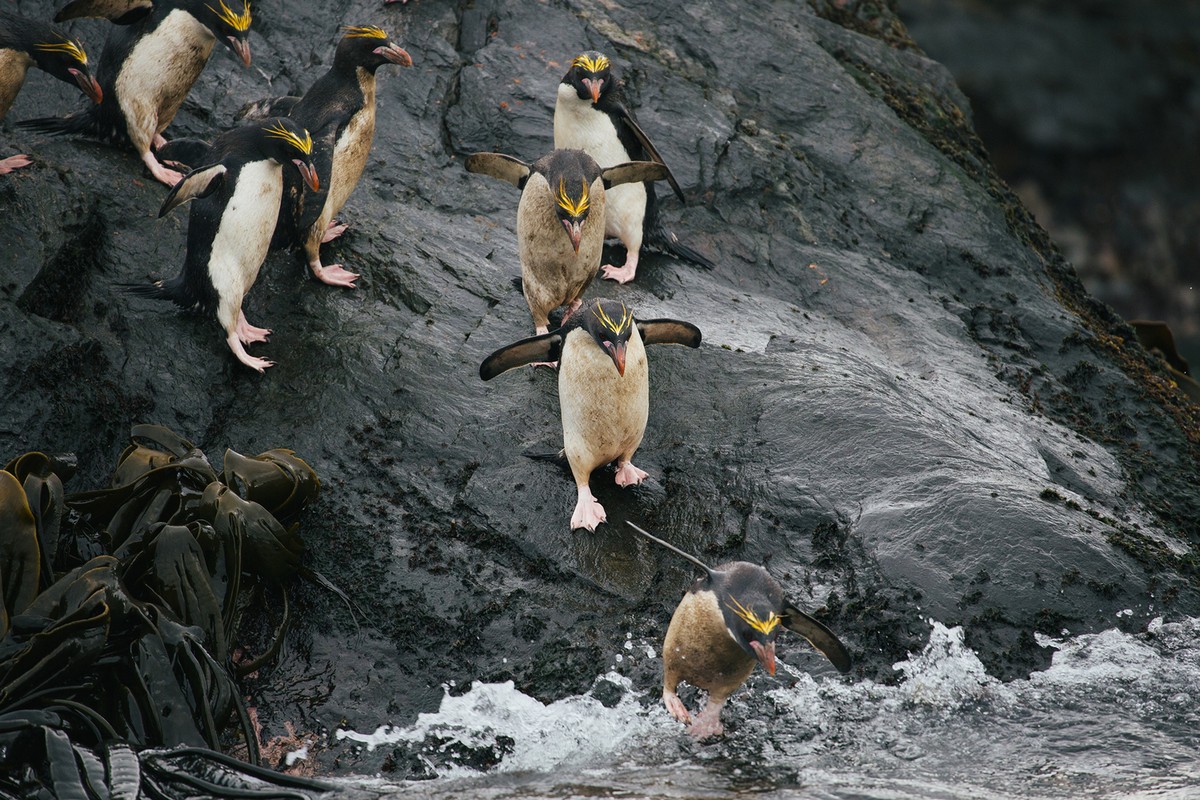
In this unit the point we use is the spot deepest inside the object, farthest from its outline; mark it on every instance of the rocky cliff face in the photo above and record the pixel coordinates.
(905, 405)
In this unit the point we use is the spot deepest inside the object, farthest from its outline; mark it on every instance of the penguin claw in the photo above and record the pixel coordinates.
(7, 165)
(334, 275)
(334, 230)
(629, 475)
(619, 274)
(588, 511)
(676, 707)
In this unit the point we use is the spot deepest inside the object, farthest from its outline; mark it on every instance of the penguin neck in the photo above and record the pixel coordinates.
(366, 82)
(13, 66)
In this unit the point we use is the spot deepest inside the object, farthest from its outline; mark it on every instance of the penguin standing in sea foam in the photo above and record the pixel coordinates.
(726, 623)
(229, 229)
(603, 389)
(339, 111)
(148, 66)
(25, 43)
(591, 114)
(560, 221)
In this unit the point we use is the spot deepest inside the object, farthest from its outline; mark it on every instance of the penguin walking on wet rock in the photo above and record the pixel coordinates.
(560, 221)
(603, 389)
(148, 66)
(726, 623)
(237, 199)
(591, 114)
(339, 111)
(25, 43)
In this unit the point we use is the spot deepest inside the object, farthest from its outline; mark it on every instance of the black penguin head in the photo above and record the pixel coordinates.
(370, 48)
(590, 75)
(285, 141)
(570, 174)
(229, 22)
(752, 605)
(63, 57)
(610, 324)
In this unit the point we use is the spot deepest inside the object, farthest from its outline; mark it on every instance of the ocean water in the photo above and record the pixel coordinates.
(1117, 715)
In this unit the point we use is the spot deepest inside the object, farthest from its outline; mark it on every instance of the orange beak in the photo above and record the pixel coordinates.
(309, 173)
(574, 232)
(617, 354)
(593, 86)
(88, 85)
(242, 48)
(765, 655)
(395, 54)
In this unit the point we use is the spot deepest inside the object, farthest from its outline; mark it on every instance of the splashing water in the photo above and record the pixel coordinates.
(1115, 716)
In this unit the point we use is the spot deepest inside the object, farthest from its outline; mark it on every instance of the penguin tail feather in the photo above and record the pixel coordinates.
(85, 121)
(159, 290)
(662, 239)
(556, 457)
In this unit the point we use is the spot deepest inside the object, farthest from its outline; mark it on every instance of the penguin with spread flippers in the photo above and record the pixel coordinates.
(237, 199)
(560, 221)
(25, 43)
(339, 111)
(149, 63)
(726, 623)
(592, 114)
(603, 389)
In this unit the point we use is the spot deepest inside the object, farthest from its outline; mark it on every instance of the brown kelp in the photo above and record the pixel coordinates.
(119, 617)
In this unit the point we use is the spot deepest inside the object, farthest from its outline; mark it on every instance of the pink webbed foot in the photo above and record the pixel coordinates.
(623, 274)
(249, 334)
(334, 230)
(7, 165)
(235, 344)
(161, 174)
(334, 275)
(571, 309)
(676, 707)
(629, 475)
(588, 511)
(707, 722)
(538, 331)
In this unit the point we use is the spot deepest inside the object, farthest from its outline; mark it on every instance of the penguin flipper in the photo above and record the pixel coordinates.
(185, 152)
(627, 117)
(634, 172)
(546, 347)
(259, 110)
(498, 165)
(669, 331)
(122, 12)
(823, 640)
(200, 182)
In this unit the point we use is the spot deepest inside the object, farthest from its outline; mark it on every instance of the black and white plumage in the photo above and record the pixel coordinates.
(591, 113)
(728, 621)
(151, 60)
(339, 111)
(27, 42)
(603, 389)
(229, 229)
(560, 221)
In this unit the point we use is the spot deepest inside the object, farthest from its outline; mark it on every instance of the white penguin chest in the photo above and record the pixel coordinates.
(578, 125)
(161, 68)
(603, 413)
(247, 223)
(352, 148)
(13, 66)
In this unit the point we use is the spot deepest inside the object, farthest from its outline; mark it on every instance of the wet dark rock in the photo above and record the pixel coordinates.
(892, 373)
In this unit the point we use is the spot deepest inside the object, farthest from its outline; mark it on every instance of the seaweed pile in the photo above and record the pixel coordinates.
(121, 614)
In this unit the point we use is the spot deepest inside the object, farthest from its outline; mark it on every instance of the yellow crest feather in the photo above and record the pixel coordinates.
(610, 323)
(571, 206)
(364, 32)
(304, 145)
(65, 46)
(590, 64)
(763, 626)
(239, 22)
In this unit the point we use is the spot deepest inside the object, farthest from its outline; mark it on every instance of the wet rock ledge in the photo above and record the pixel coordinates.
(905, 404)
